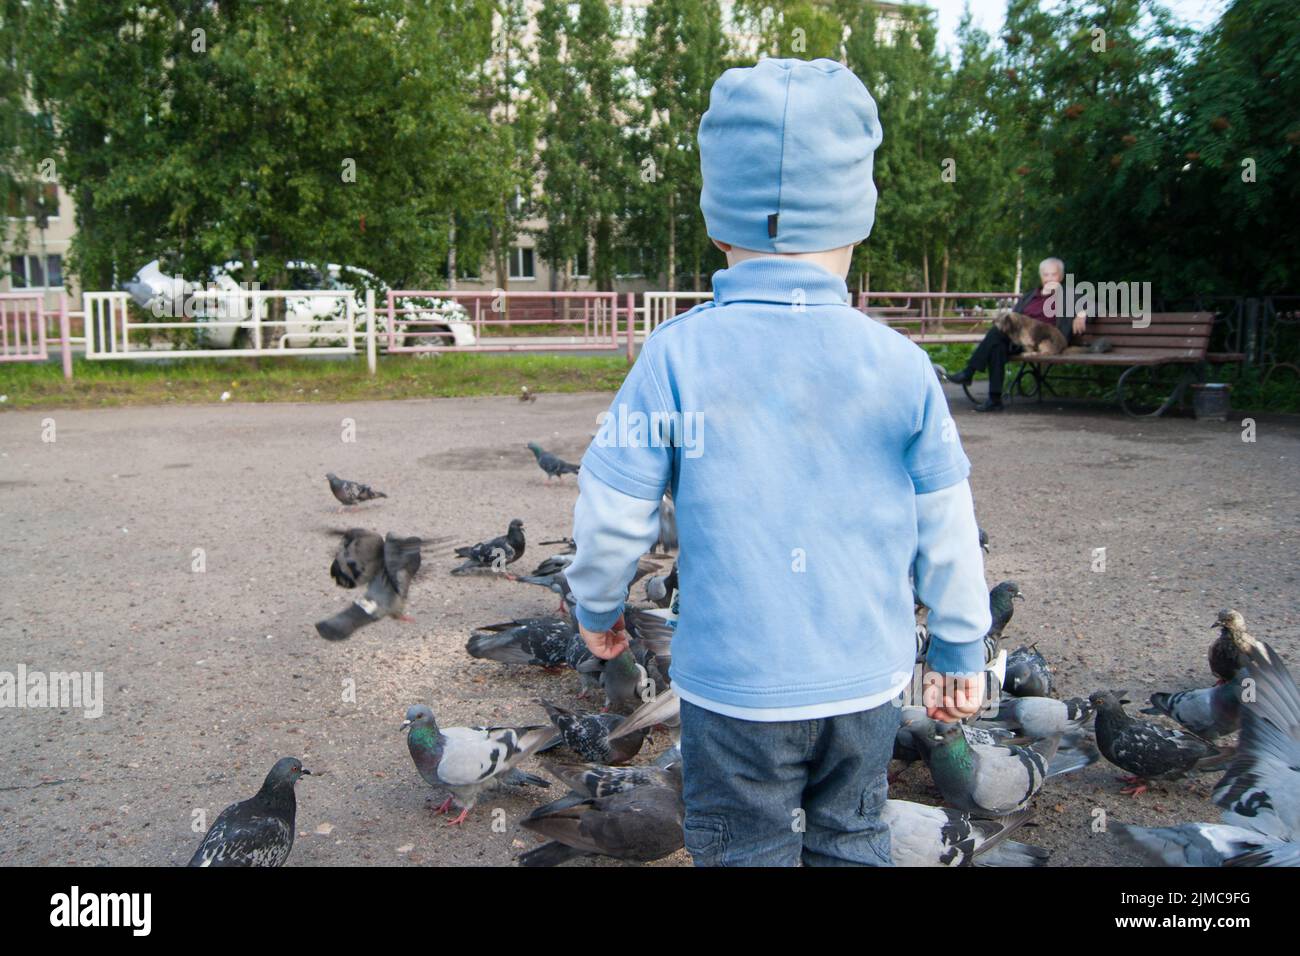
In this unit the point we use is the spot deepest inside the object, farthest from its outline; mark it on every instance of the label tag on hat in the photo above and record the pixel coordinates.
(771, 224)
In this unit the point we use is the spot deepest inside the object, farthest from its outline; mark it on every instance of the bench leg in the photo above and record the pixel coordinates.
(1188, 375)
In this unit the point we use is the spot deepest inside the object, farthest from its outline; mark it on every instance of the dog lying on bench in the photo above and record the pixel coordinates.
(1041, 337)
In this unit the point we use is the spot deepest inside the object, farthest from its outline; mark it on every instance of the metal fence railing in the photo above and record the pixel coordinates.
(22, 327)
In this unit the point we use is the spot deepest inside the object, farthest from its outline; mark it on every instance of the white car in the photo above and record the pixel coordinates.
(308, 320)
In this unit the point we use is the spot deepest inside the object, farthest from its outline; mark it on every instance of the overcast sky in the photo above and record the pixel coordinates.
(988, 14)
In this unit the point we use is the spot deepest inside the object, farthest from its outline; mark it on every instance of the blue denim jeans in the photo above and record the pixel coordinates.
(777, 794)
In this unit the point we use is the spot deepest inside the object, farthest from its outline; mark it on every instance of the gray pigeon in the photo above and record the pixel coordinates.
(468, 760)
(554, 466)
(1147, 750)
(1039, 717)
(1001, 609)
(639, 825)
(588, 735)
(258, 831)
(626, 682)
(544, 641)
(1073, 752)
(659, 590)
(1259, 795)
(1209, 712)
(940, 836)
(495, 554)
(1028, 674)
(985, 780)
(667, 526)
(360, 555)
(385, 595)
(351, 492)
(595, 780)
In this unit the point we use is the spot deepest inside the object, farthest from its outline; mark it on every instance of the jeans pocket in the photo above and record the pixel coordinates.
(706, 837)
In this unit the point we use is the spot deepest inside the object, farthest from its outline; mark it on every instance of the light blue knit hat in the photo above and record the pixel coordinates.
(785, 155)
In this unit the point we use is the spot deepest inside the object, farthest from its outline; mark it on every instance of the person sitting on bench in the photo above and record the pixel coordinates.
(996, 348)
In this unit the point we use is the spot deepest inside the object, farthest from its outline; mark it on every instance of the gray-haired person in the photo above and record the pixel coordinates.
(996, 349)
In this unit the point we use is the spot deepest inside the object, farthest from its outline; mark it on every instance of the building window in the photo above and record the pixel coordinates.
(31, 272)
(582, 264)
(521, 263)
(29, 202)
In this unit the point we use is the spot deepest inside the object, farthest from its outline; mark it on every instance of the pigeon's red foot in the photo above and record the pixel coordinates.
(460, 819)
(1136, 785)
(405, 619)
(446, 805)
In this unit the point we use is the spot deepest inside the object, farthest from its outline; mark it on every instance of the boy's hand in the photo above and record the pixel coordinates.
(606, 644)
(950, 697)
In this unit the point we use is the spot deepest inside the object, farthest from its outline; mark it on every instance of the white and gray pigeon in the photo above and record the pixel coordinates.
(1208, 712)
(940, 836)
(352, 492)
(1073, 752)
(495, 554)
(987, 780)
(258, 831)
(468, 760)
(1148, 750)
(1259, 796)
(385, 595)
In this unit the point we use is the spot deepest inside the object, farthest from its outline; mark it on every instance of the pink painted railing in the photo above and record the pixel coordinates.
(22, 327)
(935, 316)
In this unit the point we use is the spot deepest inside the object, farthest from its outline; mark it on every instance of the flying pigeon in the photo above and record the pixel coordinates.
(1027, 673)
(495, 554)
(360, 555)
(350, 492)
(595, 780)
(940, 836)
(553, 465)
(257, 831)
(1147, 750)
(1259, 795)
(987, 780)
(1208, 712)
(468, 760)
(639, 825)
(1038, 717)
(544, 641)
(385, 595)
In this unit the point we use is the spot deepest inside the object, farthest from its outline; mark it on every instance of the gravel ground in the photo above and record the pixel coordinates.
(209, 677)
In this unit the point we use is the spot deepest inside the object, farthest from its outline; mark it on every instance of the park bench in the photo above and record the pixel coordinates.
(1169, 354)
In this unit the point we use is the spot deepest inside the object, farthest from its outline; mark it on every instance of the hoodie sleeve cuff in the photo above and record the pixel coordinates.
(597, 620)
(945, 658)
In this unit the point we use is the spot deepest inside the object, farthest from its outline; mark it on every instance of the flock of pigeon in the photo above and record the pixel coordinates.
(987, 769)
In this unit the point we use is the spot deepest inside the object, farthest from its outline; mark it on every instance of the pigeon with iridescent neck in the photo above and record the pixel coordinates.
(987, 780)
(468, 760)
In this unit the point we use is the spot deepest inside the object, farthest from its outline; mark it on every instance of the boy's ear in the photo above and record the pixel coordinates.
(722, 246)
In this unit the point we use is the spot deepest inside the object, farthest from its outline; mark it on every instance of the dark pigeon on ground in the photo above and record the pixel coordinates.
(659, 589)
(596, 780)
(588, 735)
(1028, 674)
(667, 526)
(984, 540)
(639, 826)
(1259, 794)
(468, 760)
(385, 595)
(1233, 648)
(351, 492)
(258, 831)
(542, 641)
(1002, 607)
(554, 466)
(1148, 751)
(495, 554)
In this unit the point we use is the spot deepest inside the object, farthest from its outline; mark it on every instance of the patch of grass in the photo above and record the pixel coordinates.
(197, 381)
